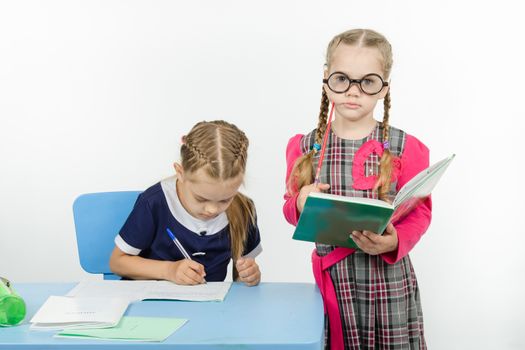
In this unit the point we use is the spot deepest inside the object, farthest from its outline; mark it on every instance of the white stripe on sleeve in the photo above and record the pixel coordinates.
(126, 248)
(256, 251)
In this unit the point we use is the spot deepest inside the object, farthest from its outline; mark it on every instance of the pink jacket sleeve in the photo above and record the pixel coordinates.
(293, 151)
(415, 158)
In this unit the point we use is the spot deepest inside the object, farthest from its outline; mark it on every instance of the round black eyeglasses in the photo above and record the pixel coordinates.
(370, 84)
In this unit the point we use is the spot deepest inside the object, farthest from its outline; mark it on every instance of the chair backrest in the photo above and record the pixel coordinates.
(98, 219)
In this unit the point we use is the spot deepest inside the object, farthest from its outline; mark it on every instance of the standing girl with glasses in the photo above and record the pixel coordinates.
(188, 227)
(371, 294)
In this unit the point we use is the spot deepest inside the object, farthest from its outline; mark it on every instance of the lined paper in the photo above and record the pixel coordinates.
(141, 290)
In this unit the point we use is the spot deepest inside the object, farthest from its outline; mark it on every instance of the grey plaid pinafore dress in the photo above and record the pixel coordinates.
(379, 303)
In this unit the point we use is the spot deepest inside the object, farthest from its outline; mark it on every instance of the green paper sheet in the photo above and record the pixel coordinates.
(130, 329)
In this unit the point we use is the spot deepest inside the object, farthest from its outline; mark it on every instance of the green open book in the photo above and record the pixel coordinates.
(329, 219)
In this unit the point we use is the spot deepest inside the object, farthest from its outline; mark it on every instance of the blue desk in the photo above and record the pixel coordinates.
(270, 316)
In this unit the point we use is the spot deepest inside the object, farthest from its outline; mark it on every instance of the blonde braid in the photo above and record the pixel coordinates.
(323, 117)
(241, 151)
(385, 164)
(196, 151)
(303, 173)
(241, 212)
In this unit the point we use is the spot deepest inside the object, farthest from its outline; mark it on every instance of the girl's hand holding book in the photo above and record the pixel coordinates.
(305, 191)
(374, 244)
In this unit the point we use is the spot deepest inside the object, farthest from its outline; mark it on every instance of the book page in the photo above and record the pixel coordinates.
(360, 200)
(421, 185)
(130, 290)
(141, 290)
(405, 207)
(210, 291)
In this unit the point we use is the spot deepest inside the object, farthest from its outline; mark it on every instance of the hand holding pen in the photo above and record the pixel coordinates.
(186, 271)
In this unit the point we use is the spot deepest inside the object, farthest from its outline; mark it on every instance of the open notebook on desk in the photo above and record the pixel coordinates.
(141, 290)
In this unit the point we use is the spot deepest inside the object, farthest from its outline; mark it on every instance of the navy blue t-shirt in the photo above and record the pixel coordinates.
(144, 233)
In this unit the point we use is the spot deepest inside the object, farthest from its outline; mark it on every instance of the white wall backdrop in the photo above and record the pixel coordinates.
(95, 95)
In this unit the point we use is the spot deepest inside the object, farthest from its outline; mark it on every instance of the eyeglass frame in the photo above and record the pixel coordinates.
(356, 81)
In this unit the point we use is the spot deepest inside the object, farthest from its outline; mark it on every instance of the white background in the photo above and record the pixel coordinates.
(95, 95)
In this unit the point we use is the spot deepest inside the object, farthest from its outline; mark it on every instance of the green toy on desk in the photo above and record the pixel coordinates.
(12, 306)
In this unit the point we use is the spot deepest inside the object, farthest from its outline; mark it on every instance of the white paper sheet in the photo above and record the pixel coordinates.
(140, 290)
(61, 312)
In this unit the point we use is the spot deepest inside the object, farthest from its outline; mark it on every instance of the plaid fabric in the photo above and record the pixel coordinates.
(379, 303)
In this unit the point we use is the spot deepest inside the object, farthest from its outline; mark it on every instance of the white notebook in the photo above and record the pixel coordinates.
(59, 312)
(140, 290)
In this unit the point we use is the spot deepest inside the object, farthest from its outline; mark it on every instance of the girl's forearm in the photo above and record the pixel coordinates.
(136, 267)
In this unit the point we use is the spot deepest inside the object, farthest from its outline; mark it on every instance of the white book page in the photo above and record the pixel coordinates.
(210, 291)
(423, 183)
(140, 290)
(59, 312)
(361, 200)
(130, 290)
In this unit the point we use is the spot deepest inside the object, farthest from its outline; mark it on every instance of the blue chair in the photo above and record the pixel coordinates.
(98, 219)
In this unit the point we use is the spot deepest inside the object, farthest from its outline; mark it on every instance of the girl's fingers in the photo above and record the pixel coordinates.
(374, 244)
(363, 242)
(239, 264)
(198, 268)
(372, 236)
(252, 278)
(360, 236)
(247, 272)
(244, 263)
(192, 272)
(192, 277)
(320, 187)
(324, 187)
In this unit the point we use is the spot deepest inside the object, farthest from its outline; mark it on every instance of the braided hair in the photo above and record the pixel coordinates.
(221, 149)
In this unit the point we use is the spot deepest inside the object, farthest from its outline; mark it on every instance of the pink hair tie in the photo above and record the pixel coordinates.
(386, 145)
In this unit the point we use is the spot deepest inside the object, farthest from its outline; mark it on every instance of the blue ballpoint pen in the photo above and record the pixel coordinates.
(179, 245)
